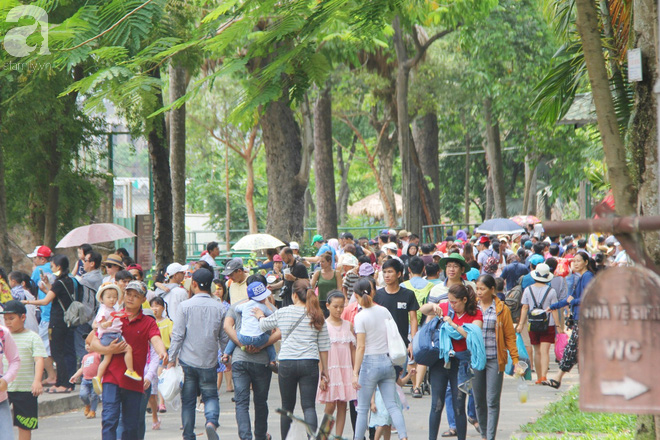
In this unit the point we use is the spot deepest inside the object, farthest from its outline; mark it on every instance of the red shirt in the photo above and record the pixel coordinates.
(460, 344)
(349, 312)
(137, 333)
(90, 365)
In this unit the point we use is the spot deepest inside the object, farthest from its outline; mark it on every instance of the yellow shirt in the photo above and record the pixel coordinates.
(165, 326)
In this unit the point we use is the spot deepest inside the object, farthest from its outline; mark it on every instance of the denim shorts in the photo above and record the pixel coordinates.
(108, 338)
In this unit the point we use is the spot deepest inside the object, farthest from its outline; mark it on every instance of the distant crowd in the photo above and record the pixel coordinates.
(462, 308)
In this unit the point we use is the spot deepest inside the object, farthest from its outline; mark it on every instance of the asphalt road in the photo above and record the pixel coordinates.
(73, 425)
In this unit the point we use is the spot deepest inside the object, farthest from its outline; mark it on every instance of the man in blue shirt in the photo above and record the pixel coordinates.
(41, 259)
(319, 243)
(534, 260)
(513, 271)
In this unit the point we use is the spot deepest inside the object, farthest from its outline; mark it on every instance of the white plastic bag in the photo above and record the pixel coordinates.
(395, 344)
(169, 383)
(297, 431)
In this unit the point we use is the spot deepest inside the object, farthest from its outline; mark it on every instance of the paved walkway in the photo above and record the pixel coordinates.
(513, 415)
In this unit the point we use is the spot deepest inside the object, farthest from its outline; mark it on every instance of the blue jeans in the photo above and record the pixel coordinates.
(255, 341)
(6, 421)
(377, 371)
(303, 374)
(245, 374)
(87, 394)
(449, 406)
(120, 402)
(141, 429)
(205, 380)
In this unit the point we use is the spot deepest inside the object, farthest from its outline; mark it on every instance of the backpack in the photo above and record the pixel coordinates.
(422, 296)
(538, 318)
(513, 300)
(563, 267)
(426, 343)
(86, 295)
(77, 313)
(492, 263)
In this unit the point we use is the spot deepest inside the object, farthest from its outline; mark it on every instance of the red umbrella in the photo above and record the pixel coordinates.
(526, 220)
(95, 233)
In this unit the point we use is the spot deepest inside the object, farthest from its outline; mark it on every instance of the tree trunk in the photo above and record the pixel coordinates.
(494, 158)
(5, 253)
(326, 202)
(425, 134)
(489, 196)
(615, 153)
(344, 190)
(643, 127)
(160, 168)
(284, 157)
(227, 203)
(249, 197)
(385, 167)
(529, 198)
(177, 133)
(52, 199)
(467, 170)
(412, 204)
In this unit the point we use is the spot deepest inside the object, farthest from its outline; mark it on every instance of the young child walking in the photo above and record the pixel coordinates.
(165, 325)
(341, 355)
(109, 330)
(380, 417)
(89, 368)
(250, 334)
(9, 364)
(23, 391)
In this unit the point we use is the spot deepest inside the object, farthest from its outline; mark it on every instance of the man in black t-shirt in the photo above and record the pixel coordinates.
(292, 272)
(401, 302)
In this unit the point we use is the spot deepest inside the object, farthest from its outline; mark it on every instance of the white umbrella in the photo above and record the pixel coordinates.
(499, 226)
(255, 242)
(94, 233)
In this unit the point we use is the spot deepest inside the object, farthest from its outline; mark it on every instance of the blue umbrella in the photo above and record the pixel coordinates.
(499, 226)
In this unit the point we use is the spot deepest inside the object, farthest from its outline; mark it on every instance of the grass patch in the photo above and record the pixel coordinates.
(564, 417)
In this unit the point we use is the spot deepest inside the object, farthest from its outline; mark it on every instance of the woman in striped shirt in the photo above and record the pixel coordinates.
(305, 342)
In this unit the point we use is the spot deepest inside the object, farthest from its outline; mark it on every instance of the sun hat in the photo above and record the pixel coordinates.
(456, 258)
(366, 270)
(111, 286)
(257, 291)
(232, 266)
(503, 238)
(41, 251)
(114, 259)
(349, 260)
(542, 273)
(294, 246)
(403, 233)
(317, 238)
(175, 268)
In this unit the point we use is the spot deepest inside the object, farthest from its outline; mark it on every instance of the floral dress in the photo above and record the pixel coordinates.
(340, 365)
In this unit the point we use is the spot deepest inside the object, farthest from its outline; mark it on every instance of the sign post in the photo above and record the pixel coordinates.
(620, 347)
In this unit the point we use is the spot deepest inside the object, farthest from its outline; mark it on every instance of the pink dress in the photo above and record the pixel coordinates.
(340, 366)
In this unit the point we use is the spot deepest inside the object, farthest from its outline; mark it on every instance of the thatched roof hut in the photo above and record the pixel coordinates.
(373, 207)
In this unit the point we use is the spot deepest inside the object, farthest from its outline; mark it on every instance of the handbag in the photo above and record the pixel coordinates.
(561, 340)
(395, 345)
(538, 318)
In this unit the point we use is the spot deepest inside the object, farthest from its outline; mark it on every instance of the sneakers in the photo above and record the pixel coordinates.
(98, 386)
(274, 367)
(91, 415)
(86, 410)
(210, 432)
(132, 375)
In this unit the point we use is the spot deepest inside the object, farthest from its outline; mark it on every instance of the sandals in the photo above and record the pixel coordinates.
(551, 383)
(450, 433)
(417, 393)
(540, 381)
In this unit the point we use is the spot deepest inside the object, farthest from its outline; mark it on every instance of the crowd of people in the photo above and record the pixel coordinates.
(319, 322)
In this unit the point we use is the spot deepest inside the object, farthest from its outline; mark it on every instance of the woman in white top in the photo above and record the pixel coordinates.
(305, 342)
(373, 366)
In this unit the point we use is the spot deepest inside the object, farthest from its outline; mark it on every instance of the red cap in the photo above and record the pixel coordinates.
(484, 239)
(135, 266)
(41, 251)
(276, 258)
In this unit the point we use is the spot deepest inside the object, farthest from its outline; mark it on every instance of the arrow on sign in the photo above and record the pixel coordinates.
(628, 388)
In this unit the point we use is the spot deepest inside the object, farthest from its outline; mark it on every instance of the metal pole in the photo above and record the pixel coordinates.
(227, 209)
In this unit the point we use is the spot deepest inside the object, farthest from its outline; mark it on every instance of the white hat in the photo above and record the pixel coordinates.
(294, 245)
(349, 260)
(391, 246)
(542, 273)
(391, 232)
(174, 269)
